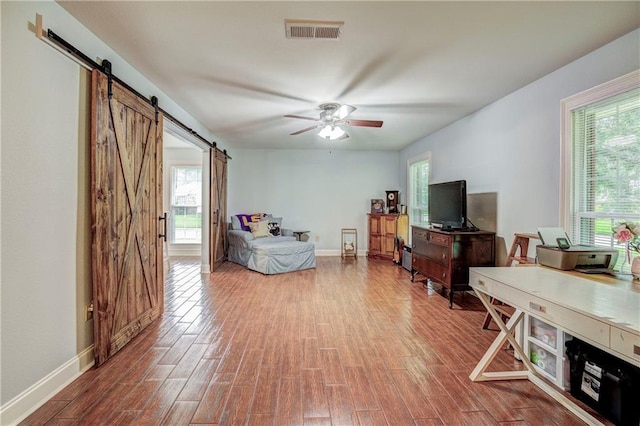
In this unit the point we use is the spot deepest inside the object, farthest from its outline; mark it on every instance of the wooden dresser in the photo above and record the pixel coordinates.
(445, 257)
(383, 230)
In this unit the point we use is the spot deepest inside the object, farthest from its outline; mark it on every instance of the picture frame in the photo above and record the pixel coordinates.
(377, 205)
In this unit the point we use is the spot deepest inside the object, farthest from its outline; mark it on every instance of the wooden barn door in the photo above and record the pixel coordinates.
(126, 185)
(218, 240)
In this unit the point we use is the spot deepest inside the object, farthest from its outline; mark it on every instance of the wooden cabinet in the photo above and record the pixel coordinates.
(445, 257)
(383, 230)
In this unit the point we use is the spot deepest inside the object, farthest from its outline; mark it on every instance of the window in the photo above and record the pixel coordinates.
(601, 147)
(186, 204)
(418, 183)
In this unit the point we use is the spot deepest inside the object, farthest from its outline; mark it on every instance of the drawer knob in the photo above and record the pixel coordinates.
(537, 307)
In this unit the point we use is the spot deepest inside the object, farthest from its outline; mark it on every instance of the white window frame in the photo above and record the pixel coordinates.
(410, 199)
(604, 91)
(169, 195)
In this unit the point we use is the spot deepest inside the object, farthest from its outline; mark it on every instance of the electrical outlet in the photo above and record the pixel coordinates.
(88, 312)
(317, 238)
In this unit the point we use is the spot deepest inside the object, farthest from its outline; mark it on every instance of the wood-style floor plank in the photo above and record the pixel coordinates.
(348, 343)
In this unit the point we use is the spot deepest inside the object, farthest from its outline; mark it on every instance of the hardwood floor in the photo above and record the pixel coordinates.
(348, 343)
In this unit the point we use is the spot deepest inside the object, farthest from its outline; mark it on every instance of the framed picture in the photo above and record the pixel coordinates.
(377, 206)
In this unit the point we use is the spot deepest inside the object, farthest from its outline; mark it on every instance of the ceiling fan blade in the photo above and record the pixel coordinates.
(364, 123)
(305, 130)
(343, 111)
(301, 117)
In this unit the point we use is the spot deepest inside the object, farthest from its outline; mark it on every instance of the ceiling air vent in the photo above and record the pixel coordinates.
(324, 30)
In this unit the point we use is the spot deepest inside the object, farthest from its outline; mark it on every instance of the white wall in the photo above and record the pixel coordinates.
(315, 190)
(44, 217)
(512, 146)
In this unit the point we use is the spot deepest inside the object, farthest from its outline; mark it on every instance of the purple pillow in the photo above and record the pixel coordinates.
(245, 219)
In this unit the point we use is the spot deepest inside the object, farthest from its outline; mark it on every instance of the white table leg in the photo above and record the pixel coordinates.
(506, 334)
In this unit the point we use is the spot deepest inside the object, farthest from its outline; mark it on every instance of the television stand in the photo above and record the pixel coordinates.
(444, 257)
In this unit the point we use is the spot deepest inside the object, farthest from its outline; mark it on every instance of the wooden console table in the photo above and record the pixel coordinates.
(445, 256)
(601, 311)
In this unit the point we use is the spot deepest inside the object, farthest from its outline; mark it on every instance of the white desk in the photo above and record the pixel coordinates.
(602, 311)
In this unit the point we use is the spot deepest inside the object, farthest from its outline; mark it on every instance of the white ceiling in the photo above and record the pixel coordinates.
(418, 66)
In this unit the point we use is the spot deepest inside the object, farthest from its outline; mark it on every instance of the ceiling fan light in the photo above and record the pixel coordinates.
(325, 132)
(331, 132)
(336, 133)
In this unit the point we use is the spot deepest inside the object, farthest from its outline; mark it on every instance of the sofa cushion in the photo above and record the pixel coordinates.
(246, 219)
(260, 229)
(274, 225)
(235, 223)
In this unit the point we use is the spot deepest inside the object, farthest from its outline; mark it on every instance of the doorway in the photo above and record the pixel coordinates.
(184, 199)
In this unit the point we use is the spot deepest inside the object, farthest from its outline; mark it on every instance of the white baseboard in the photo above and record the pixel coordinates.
(337, 252)
(328, 252)
(185, 251)
(20, 407)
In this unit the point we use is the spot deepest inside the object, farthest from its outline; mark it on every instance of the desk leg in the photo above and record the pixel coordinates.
(506, 334)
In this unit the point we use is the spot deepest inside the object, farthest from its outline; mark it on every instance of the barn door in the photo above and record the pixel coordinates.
(126, 185)
(218, 240)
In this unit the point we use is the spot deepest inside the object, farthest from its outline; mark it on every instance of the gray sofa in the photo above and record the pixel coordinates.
(272, 254)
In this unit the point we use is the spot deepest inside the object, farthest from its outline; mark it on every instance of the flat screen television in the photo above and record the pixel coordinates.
(448, 204)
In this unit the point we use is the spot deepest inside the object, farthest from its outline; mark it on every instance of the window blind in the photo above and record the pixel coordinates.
(605, 138)
(419, 191)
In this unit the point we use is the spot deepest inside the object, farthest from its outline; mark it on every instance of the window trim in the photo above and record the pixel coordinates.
(425, 156)
(606, 90)
(168, 167)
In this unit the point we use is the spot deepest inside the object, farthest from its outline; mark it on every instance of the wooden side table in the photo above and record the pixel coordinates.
(349, 243)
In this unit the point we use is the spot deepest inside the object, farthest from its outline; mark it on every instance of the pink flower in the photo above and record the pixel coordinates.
(623, 235)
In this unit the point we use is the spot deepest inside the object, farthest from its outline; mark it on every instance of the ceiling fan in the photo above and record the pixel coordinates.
(332, 116)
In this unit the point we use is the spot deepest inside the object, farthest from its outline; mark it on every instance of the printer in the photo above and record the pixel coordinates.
(557, 252)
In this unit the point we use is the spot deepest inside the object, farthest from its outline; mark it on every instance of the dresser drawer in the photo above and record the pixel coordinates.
(419, 262)
(438, 254)
(626, 344)
(431, 270)
(573, 322)
(435, 238)
(438, 273)
(419, 233)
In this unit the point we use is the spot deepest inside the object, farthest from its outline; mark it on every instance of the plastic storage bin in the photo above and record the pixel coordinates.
(543, 358)
(604, 382)
(544, 345)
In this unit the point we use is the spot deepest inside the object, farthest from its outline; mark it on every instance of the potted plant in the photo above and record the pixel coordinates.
(629, 234)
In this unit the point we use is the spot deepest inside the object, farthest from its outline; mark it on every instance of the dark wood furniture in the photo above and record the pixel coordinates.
(383, 230)
(444, 257)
